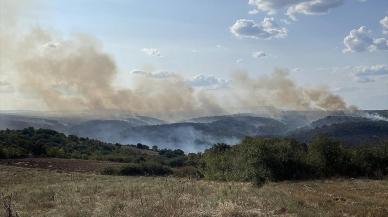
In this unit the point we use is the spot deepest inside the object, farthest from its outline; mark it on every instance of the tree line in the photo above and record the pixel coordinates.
(31, 142)
(275, 159)
(255, 159)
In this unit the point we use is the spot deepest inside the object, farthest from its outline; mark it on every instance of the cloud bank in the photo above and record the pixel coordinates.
(294, 7)
(365, 74)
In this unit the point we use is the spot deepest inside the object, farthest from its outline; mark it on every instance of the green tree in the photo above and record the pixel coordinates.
(326, 156)
(216, 162)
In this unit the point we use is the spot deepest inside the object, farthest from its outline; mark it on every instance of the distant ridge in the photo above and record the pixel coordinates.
(196, 134)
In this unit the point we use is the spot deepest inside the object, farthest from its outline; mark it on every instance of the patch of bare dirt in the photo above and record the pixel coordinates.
(61, 165)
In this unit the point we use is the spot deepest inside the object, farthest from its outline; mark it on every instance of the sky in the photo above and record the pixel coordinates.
(339, 44)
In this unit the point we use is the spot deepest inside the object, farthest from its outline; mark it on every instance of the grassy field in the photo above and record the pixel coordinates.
(42, 192)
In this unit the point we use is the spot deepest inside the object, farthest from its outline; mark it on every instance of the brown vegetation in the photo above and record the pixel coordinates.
(62, 165)
(38, 192)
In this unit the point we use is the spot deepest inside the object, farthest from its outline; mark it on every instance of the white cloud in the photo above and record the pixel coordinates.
(363, 79)
(238, 61)
(313, 7)
(157, 75)
(208, 81)
(365, 74)
(293, 7)
(198, 81)
(252, 12)
(380, 44)
(259, 54)
(151, 52)
(267, 29)
(360, 40)
(286, 21)
(384, 24)
(271, 6)
(374, 70)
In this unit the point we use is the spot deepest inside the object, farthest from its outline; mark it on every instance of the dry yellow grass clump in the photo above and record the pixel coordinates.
(36, 192)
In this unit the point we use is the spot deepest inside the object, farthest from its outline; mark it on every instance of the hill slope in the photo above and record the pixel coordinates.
(355, 132)
(199, 133)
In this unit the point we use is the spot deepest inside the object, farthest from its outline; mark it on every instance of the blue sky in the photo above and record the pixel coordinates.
(194, 37)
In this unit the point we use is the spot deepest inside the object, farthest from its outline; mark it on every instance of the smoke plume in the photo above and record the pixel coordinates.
(279, 91)
(75, 75)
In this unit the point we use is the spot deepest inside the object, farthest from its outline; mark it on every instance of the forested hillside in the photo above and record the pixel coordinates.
(256, 159)
(142, 159)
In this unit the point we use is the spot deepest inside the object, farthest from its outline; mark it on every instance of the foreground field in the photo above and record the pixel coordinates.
(39, 192)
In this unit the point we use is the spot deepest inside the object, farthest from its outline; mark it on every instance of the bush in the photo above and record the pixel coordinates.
(216, 162)
(55, 152)
(177, 161)
(12, 152)
(132, 169)
(155, 169)
(110, 171)
(145, 169)
(188, 172)
(2, 153)
(327, 156)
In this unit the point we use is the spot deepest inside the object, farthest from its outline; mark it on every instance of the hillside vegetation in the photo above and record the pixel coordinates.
(352, 132)
(140, 159)
(255, 159)
(276, 159)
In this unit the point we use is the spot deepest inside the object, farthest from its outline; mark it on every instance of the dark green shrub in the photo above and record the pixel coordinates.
(110, 171)
(177, 161)
(145, 169)
(132, 169)
(327, 156)
(216, 162)
(2, 153)
(188, 172)
(155, 169)
(55, 152)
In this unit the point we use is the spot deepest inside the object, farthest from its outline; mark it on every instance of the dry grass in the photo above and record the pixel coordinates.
(38, 192)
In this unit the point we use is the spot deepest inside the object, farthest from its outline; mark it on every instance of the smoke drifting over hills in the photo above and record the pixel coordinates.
(75, 74)
(279, 91)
